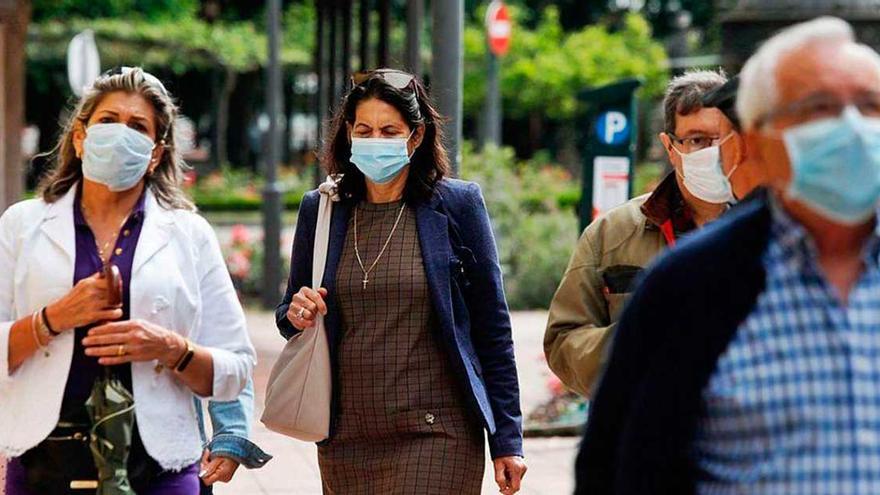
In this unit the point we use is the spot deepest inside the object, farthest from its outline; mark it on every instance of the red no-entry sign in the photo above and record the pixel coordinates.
(498, 28)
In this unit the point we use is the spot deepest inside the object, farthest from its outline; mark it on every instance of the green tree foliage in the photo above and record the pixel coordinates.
(533, 230)
(147, 9)
(179, 43)
(574, 14)
(547, 67)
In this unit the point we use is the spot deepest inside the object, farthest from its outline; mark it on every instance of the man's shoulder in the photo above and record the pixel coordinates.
(629, 212)
(618, 225)
(736, 239)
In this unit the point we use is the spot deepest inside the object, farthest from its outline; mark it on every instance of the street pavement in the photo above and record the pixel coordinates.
(294, 469)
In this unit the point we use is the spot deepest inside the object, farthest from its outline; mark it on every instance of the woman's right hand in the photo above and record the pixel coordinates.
(305, 306)
(88, 302)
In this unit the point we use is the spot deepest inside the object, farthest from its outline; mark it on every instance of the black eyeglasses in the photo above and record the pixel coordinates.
(397, 79)
(151, 79)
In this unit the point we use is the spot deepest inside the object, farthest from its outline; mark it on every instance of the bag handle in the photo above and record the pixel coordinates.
(328, 192)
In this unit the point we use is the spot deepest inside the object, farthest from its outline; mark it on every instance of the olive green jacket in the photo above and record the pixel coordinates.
(609, 256)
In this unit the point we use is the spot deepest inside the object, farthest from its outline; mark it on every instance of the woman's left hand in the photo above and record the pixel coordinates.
(509, 472)
(133, 341)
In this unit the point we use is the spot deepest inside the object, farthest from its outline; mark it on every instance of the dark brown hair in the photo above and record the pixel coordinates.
(684, 94)
(429, 163)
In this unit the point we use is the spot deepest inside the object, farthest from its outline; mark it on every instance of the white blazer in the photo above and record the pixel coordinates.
(179, 281)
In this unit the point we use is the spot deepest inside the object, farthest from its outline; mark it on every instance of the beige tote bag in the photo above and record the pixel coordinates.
(300, 385)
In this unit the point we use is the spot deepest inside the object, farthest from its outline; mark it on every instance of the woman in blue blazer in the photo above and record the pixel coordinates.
(419, 330)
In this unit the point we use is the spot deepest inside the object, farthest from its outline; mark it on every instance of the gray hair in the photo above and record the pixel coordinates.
(166, 179)
(684, 94)
(758, 93)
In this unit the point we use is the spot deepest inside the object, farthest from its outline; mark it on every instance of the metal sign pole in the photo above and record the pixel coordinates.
(498, 30)
(492, 114)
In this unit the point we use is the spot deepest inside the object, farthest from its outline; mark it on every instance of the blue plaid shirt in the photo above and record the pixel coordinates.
(793, 406)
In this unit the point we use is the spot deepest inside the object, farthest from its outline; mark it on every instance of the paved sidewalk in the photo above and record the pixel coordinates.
(294, 470)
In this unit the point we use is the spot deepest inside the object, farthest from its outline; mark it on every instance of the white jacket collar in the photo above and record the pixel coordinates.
(57, 224)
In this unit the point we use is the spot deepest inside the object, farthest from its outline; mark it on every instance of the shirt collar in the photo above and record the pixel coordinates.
(794, 239)
(137, 214)
(666, 203)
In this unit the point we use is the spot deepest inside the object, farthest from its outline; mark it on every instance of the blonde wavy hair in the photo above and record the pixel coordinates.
(166, 179)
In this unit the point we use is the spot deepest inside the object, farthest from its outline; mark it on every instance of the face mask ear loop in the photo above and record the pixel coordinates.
(730, 174)
(724, 140)
(408, 154)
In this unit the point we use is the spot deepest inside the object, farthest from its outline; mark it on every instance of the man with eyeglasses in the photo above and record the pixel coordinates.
(748, 361)
(614, 247)
(741, 170)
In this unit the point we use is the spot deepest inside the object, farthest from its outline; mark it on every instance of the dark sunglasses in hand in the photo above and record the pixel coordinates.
(395, 78)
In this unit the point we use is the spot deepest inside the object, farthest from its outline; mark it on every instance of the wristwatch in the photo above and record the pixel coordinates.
(185, 359)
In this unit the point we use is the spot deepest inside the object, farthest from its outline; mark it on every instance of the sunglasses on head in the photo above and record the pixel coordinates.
(151, 79)
(395, 78)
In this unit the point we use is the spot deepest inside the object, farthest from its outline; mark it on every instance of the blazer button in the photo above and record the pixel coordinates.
(429, 418)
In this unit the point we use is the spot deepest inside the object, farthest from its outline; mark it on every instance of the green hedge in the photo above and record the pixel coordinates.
(209, 202)
(565, 200)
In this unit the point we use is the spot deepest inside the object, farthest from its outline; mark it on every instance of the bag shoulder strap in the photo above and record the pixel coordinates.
(322, 231)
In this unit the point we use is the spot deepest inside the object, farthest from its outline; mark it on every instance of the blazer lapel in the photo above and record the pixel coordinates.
(433, 227)
(338, 231)
(58, 226)
(155, 234)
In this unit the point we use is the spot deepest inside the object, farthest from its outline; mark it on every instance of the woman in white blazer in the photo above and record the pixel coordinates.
(114, 197)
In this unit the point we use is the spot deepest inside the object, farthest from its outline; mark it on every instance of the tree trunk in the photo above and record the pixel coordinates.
(224, 84)
(536, 130)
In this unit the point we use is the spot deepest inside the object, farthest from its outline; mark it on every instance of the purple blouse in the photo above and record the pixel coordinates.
(85, 369)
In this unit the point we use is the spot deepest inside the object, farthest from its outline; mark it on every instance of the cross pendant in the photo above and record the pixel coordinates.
(365, 281)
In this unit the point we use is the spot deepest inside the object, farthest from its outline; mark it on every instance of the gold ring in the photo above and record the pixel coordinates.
(121, 350)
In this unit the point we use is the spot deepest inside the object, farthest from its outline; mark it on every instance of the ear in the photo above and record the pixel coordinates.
(739, 148)
(78, 135)
(418, 136)
(156, 159)
(667, 145)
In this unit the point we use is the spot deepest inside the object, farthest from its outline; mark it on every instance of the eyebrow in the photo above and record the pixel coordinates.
(694, 133)
(382, 127)
(114, 113)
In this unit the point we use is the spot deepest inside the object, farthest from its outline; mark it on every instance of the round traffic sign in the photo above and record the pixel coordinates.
(498, 28)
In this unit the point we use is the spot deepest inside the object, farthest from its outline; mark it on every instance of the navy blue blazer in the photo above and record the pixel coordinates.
(464, 278)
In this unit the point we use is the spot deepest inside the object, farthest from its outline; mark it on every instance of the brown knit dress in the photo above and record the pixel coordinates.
(403, 425)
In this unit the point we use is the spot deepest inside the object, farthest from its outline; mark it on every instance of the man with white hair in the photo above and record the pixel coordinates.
(748, 360)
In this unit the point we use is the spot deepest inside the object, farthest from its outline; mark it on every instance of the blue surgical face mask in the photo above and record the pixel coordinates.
(116, 155)
(380, 159)
(835, 166)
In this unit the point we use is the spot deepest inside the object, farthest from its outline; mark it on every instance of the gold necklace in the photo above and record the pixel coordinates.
(357, 252)
(103, 250)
